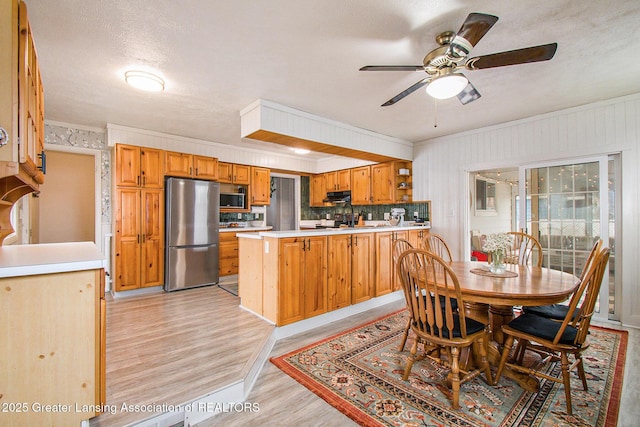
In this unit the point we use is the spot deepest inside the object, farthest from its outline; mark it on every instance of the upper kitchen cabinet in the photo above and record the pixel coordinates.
(260, 186)
(21, 111)
(191, 166)
(361, 186)
(317, 190)
(383, 184)
(338, 180)
(234, 174)
(139, 167)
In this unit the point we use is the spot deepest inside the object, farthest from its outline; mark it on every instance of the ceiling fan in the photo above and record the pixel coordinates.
(443, 64)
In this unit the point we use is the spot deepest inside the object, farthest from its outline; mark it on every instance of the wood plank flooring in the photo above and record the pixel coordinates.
(175, 347)
(171, 348)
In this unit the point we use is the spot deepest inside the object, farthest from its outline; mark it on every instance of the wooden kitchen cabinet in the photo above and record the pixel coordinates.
(139, 238)
(415, 237)
(228, 263)
(361, 186)
(191, 166)
(383, 184)
(299, 284)
(234, 174)
(317, 190)
(22, 159)
(138, 167)
(260, 187)
(350, 267)
(386, 277)
(338, 180)
(53, 347)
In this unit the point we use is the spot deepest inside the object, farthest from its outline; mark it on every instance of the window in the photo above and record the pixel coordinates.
(485, 195)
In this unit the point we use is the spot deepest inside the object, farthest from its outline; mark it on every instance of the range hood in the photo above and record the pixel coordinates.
(338, 197)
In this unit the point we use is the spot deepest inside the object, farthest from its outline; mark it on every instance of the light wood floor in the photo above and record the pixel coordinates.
(175, 347)
(171, 348)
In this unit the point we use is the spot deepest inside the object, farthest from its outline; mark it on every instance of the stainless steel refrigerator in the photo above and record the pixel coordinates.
(192, 229)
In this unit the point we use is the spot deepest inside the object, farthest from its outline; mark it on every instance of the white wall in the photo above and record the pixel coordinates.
(613, 126)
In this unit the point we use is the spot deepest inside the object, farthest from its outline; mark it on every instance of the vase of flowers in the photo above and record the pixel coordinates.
(496, 245)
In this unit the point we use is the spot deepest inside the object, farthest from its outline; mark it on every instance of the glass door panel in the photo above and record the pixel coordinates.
(564, 208)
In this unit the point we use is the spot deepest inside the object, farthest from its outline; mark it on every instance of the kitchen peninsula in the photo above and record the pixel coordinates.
(289, 276)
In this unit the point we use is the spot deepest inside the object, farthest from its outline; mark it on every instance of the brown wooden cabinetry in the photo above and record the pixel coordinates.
(383, 184)
(386, 277)
(260, 186)
(138, 167)
(361, 186)
(191, 166)
(415, 237)
(21, 111)
(228, 253)
(139, 238)
(350, 261)
(234, 174)
(338, 180)
(302, 278)
(52, 347)
(317, 190)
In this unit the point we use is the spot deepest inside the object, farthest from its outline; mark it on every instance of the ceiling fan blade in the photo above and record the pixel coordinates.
(473, 29)
(392, 68)
(468, 94)
(513, 57)
(407, 91)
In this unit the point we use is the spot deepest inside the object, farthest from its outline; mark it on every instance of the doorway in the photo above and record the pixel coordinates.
(67, 207)
(282, 212)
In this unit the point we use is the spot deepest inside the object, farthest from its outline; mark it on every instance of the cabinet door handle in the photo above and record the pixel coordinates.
(356, 240)
(196, 171)
(304, 245)
(309, 241)
(138, 180)
(138, 236)
(350, 241)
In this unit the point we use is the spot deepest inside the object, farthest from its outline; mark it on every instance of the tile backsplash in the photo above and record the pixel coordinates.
(377, 211)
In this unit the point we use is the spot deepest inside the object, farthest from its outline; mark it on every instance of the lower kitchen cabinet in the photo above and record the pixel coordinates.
(228, 261)
(386, 278)
(350, 267)
(52, 346)
(295, 278)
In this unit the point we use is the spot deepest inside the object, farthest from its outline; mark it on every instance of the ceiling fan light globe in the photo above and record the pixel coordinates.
(447, 86)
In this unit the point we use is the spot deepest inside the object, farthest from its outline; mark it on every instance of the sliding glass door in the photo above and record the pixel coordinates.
(568, 206)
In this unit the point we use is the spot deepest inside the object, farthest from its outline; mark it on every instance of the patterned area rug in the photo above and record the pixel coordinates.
(359, 372)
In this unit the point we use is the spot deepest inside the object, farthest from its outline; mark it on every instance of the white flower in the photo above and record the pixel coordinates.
(496, 242)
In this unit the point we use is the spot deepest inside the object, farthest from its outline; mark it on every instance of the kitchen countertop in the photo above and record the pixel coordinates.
(27, 260)
(333, 231)
(243, 229)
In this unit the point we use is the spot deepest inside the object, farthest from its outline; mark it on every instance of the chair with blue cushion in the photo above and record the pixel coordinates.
(554, 340)
(436, 323)
(559, 311)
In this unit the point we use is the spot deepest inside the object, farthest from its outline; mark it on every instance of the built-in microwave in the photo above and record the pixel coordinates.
(232, 200)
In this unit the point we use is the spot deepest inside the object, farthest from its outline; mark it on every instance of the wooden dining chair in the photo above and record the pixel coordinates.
(553, 340)
(400, 246)
(436, 323)
(434, 243)
(525, 249)
(559, 311)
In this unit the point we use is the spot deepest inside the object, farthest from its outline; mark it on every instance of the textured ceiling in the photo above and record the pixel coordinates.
(218, 56)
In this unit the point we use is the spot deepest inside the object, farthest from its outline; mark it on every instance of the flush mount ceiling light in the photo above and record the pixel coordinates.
(301, 151)
(144, 80)
(448, 84)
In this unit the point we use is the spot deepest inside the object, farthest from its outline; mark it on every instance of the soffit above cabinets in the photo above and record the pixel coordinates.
(270, 122)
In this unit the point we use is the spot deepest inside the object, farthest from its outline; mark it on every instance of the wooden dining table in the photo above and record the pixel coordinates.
(489, 298)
